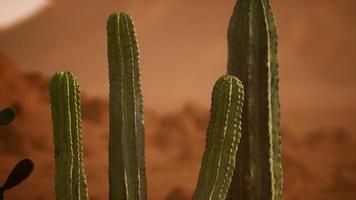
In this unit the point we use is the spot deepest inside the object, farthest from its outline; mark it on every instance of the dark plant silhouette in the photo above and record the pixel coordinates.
(24, 168)
(21, 171)
(6, 116)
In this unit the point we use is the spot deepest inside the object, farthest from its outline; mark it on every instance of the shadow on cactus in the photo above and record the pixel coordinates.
(23, 169)
(252, 43)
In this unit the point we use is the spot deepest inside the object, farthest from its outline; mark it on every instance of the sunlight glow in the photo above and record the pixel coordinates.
(16, 11)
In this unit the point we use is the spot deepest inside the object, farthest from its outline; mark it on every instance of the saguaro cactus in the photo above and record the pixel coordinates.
(252, 56)
(127, 178)
(222, 139)
(70, 180)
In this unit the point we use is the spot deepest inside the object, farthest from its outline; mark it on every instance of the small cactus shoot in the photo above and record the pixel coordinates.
(70, 181)
(222, 140)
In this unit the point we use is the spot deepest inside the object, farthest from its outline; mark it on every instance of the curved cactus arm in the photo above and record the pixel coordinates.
(222, 139)
(252, 56)
(7, 115)
(70, 181)
(126, 148)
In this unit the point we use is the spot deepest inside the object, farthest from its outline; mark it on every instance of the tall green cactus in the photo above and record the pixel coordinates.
(70, 180)
(222, 139)
(127, 178)
(252, 56)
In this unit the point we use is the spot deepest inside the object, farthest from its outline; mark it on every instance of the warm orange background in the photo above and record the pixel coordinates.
(183, 51)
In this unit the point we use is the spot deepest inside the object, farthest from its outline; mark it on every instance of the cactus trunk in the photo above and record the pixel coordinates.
(70, 181)
(252, 56)
(222, 139)
(126, 147)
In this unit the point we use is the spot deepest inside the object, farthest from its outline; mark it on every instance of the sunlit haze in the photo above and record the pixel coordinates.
(15, 11)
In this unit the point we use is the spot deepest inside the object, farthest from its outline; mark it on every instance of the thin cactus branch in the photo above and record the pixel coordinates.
(126, 148)
(252, 56)
(222, 140)
(66, 119)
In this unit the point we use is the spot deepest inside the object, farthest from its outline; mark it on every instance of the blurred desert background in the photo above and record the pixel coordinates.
(183, 51)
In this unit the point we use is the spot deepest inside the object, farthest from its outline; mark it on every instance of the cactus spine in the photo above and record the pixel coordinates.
(252, 56)
(126, 147)
(70, 180)
(222, 139)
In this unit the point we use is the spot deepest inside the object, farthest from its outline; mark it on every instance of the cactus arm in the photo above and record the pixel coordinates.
(273, 39)
(139, 109)
(126, 149)
(79, 179)
(65, 104)
(223, 137)
(7, 115)
(61, 135)
(83, 181)
(116, 166)
(252, 58)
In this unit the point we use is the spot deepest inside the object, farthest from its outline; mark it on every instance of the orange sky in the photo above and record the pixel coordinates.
(183, 52)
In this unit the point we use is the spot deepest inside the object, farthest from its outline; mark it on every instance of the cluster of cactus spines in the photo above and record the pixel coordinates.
(252, 56)
(127, 178)
(70, 181)
(6, 116)
(19, 173)
(222, 139)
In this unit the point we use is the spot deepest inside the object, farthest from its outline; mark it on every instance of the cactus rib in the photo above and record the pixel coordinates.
(126, 148)
(66, 119)
(222, 139)
(252, 56)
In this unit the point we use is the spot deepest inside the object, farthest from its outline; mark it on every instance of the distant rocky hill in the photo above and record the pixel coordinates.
(318, 165)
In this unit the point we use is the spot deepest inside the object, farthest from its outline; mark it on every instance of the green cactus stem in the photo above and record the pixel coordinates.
(7, 115)
(70, 181)
(21, 171)
(127, 178)
(252, 56)
(222, 140)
